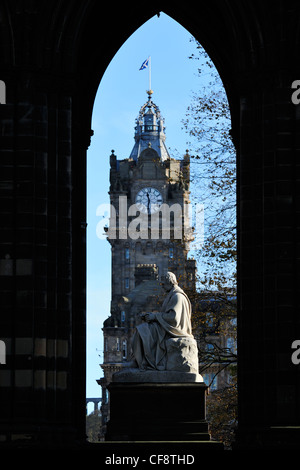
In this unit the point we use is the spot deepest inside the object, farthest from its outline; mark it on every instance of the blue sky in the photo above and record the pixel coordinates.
(121, 93)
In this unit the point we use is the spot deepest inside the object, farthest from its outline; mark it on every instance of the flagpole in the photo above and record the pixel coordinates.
(145, 64)
(149, 72)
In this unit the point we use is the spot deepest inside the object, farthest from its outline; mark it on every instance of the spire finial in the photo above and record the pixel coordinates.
(149, 93)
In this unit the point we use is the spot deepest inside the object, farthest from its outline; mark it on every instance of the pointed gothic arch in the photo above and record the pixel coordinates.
(52, 70)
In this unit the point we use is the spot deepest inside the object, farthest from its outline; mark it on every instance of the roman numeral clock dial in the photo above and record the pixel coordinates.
(148, 200)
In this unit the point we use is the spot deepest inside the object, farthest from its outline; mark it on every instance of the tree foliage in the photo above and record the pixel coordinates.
(213, 181)
(93, 426)
(213, 177)
(222, 414)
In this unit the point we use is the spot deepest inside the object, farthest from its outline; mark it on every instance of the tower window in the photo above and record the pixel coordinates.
(127, 254)
(210, 379)
(127, 283)
(125, 349)
(148, 123)
(122, 316)
(209, 347)
(231, 344)
(171, 252)
(118, 344)
(209, 320)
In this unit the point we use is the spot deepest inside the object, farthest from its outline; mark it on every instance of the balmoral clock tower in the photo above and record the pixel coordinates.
(149, 233)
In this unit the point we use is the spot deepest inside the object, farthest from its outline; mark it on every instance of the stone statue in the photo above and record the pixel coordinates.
(163, 341)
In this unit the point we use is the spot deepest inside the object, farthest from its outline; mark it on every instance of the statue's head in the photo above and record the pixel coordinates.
(168, 281)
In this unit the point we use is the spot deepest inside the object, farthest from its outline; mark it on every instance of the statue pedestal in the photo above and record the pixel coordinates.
(156, 406)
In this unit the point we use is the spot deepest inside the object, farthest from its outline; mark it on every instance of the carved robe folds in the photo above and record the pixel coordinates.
(167, 342)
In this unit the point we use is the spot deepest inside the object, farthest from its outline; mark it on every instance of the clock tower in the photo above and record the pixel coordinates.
(149, 232)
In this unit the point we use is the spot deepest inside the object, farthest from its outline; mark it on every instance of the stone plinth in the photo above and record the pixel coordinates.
(156, 406)
(132, 375)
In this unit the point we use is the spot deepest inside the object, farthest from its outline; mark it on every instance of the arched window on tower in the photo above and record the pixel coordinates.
(148, 123)
(124, 349)
(123, 316)
(148, 248)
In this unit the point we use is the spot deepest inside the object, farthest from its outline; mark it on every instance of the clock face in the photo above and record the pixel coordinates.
(148, 200)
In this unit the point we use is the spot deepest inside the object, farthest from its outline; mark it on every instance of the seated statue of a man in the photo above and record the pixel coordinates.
(149, 342)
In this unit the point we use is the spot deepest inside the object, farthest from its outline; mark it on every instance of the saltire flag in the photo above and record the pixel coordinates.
(144, 64)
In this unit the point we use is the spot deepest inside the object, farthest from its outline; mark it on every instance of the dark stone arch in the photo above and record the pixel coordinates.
(53, 55)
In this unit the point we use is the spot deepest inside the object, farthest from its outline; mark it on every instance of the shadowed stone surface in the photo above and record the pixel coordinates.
(154, 376)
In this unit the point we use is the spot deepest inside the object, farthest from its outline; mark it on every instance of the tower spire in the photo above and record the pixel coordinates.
(150, 128)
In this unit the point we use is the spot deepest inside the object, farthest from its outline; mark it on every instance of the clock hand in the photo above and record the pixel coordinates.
(148, 204)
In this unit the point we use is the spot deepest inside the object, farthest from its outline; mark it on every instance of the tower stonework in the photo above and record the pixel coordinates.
(52, 67)
(149, 232)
